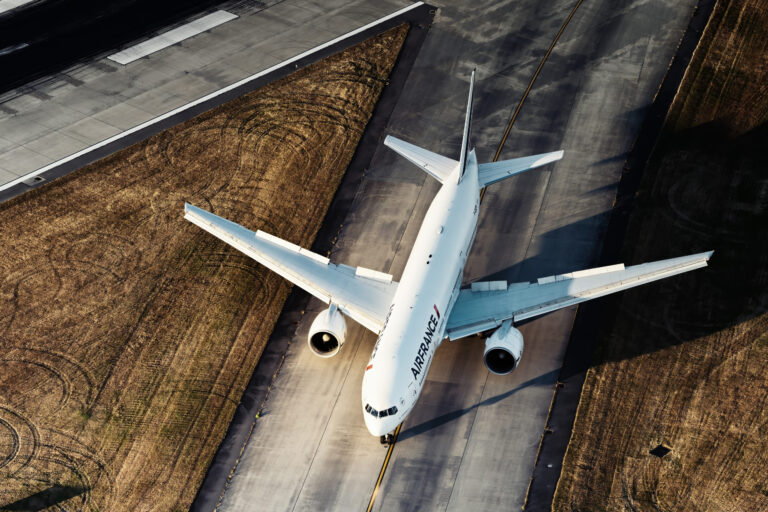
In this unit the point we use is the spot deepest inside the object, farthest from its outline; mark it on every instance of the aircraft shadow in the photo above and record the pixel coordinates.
(454, 415)
(710, 191)
(46, 498)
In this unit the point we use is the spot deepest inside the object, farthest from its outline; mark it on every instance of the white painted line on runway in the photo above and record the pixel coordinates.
(207, 97)
(7, 5)
(171, 37)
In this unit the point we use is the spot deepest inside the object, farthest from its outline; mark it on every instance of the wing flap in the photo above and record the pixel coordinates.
(477, 311)
(364, 295)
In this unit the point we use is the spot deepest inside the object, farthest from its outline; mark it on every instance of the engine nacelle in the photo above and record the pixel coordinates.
(327, 333)
(503, 349)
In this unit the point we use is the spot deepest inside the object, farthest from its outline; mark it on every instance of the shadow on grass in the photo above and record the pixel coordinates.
(45, 499)
(704, 190)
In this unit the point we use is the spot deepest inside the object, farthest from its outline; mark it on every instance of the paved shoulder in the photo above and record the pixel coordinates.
(44, 124)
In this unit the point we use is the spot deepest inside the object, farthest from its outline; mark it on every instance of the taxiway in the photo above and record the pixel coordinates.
(472, 440)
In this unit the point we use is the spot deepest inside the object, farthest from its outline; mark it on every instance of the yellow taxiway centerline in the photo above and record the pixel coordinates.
(530, 86)
(383, 468)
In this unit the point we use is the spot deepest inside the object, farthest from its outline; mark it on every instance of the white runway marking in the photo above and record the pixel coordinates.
(7, 5)
(171, 37)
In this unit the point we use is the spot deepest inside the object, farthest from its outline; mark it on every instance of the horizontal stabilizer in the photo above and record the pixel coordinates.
(496, 171)
(438, 166)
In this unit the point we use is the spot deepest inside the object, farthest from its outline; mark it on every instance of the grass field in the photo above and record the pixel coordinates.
(127, 334)
(682, 363)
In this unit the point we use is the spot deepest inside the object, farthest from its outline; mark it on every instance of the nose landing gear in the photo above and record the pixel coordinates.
(387, 439)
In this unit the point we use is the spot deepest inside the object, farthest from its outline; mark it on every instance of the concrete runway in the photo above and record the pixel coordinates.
(62, 114)
(472, 440)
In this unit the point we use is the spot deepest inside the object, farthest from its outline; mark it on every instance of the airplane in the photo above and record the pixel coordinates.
(428, 305)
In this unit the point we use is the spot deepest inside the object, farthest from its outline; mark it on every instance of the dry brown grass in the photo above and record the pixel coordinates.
(683, 363)
(128, 334)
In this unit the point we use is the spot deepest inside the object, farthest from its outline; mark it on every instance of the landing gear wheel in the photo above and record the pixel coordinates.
(383, 440)
(387, 440)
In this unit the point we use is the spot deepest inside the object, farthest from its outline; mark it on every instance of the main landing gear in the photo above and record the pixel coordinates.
(387, 439)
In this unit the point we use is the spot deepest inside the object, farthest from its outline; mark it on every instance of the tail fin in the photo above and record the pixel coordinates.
(467, 124)
(441, 168)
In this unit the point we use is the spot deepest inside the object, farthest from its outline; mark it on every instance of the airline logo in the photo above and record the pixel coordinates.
(420, 360)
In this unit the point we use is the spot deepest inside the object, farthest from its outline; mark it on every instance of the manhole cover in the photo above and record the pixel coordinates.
(660, 451)
(34, 180)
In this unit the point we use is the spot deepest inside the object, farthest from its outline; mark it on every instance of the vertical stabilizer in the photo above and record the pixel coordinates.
(467, 124)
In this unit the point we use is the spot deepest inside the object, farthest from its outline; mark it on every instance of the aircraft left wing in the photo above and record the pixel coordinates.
(363, 294)
(486, 305)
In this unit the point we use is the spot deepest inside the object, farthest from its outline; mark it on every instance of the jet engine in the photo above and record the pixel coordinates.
(503, 349)
(327, 333)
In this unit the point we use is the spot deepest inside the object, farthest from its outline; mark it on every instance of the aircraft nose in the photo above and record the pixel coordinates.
(379, 426)
(374, 425)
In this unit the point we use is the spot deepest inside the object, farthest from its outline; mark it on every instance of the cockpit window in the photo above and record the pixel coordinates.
(380, 414)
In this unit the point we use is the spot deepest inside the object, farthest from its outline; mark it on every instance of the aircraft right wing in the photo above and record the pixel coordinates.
(487, 304)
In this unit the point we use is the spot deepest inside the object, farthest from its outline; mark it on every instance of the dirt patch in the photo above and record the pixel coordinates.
(681, 363)
(127, 333)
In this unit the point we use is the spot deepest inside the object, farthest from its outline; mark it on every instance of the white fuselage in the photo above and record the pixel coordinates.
(428, 289)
